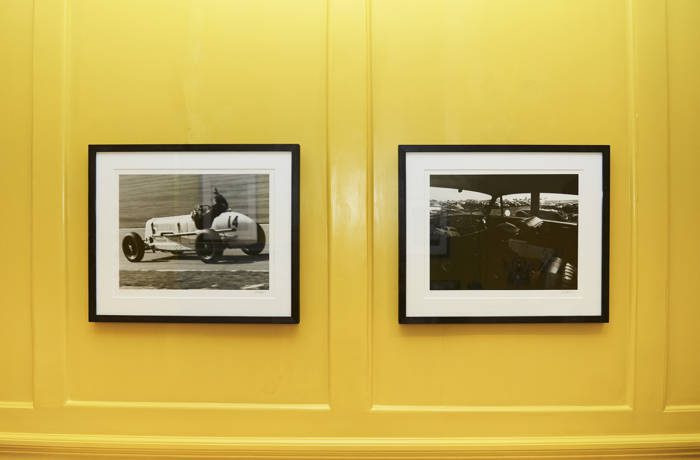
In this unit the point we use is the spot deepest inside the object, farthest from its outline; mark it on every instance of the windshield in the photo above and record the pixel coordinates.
(464, 201)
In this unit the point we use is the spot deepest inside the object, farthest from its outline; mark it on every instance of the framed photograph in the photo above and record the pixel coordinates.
(194, 233)
(503, 233)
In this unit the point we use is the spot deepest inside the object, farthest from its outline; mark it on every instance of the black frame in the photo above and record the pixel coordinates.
(93, 151)
(604, 150)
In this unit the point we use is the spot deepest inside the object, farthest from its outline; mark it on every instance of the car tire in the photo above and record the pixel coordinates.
(257, 248)
(133, 247)
(209, 246)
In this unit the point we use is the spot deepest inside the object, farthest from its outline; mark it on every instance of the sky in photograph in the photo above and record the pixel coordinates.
(450, 194)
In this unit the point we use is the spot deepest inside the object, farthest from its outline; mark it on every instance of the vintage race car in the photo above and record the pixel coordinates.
(179, 234)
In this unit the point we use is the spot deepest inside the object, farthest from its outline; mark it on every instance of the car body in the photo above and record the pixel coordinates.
(179, 234)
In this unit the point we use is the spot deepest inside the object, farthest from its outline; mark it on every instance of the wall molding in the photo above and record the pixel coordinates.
(680, 408)
(16, 405)
(627, 446)
(163, 405)
(525, 409)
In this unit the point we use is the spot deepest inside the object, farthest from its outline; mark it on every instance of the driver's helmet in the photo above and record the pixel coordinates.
(199, 210)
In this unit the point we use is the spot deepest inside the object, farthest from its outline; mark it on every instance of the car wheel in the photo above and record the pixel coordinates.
(209, 247)
(255, 249)
(133, 247)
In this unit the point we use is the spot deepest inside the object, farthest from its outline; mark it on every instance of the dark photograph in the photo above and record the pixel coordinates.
(503, 231)
(194, 231)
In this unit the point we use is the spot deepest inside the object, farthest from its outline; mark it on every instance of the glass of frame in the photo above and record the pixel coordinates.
(194, 233)
(503, 233)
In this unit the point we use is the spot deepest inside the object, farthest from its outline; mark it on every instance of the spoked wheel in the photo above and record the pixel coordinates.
(209, 247)
(255, 249)
(133, 247)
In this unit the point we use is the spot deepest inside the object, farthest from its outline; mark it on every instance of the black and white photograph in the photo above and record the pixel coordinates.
(503, 234)
(503, 231)
(194, 233)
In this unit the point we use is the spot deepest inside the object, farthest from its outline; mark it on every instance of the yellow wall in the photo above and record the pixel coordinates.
(349, 80)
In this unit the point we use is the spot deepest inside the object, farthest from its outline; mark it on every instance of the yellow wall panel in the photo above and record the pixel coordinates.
(15, 185)
(684, 249)
(198, 72)
(485, 72)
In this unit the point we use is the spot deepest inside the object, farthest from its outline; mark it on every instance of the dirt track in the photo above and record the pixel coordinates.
(194, 280)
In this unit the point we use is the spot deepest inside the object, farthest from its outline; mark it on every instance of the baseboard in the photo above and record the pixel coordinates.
(600, 447)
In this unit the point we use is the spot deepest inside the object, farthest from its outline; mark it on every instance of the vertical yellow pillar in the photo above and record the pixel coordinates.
(349, 220)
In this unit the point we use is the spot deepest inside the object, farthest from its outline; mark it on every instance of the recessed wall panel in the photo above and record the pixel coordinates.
(15, 187)
(684, 169)
(198, 72)
(482, 72)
